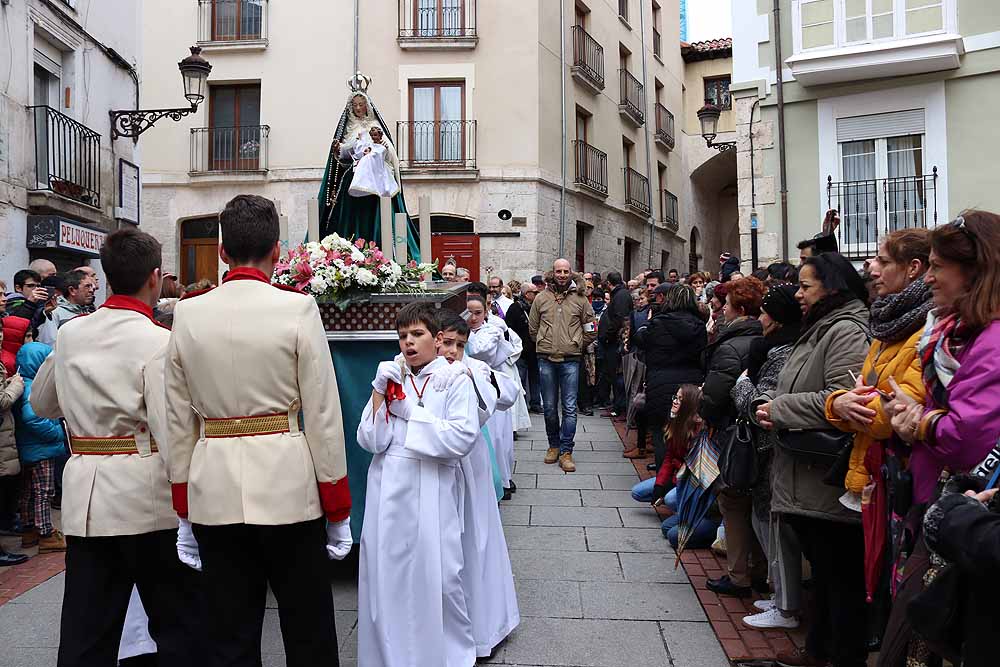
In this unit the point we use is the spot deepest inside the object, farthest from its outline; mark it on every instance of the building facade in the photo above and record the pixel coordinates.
(882, 103)
(471, 92)
(64, 182)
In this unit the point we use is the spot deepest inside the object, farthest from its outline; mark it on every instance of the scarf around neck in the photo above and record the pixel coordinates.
(940, 347)
(898, 316)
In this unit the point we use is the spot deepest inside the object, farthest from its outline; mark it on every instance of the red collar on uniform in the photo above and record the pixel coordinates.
(120, 302)
(246, 273)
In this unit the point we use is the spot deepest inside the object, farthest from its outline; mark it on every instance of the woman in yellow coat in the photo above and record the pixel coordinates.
(897, 321)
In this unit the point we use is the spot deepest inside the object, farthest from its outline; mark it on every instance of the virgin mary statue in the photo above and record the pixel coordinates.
(358, 215)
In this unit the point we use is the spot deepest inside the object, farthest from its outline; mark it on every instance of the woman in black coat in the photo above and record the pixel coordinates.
(672, 342)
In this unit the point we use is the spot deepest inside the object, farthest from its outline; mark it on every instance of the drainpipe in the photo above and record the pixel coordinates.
(778, 62)
(562, 108)
(645, 109)
(357, 32)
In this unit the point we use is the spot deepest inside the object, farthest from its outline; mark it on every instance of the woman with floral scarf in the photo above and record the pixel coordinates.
(897, 321)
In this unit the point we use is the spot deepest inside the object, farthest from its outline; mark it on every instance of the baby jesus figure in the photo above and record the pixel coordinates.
(373, 172)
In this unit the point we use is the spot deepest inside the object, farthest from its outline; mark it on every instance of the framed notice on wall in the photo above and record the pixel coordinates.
(128, 192)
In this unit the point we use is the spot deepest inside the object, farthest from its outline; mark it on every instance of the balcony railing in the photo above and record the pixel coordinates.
(232, 20)
(437, 19)
(637, 192)
(871, 209)
(436, 144)
(664, 126)
(632, 99)
(67, 156)
(591, 167)
(588, 58)
(656, 43)
(229, 149)
(669, 210)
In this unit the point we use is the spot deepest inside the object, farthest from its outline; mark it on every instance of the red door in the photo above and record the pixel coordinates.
(463, 247)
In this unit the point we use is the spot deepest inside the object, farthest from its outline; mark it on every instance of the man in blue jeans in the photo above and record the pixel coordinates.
(562, 324)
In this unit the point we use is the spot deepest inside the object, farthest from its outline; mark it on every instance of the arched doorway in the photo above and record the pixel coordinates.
(693, 256)
(199, 249)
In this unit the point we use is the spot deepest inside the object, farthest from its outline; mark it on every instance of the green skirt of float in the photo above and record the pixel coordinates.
(361, 217)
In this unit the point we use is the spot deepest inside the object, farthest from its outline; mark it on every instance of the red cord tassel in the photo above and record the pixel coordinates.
(393, 392)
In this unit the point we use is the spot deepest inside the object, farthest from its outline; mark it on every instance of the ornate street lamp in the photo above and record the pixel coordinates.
(708, 116)
(194, 72)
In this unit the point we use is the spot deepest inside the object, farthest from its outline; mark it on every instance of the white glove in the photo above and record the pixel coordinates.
(402, 409)
(443, 378)
(338, 539)
(187, 546)
(387, 371)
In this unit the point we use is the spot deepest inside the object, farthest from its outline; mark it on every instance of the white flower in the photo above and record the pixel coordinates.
(318, 284)
(365, 278)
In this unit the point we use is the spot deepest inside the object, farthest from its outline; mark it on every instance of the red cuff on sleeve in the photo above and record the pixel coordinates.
(179, 493)
(336, 499)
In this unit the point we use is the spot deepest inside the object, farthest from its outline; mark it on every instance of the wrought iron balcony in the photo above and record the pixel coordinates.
(873, 208)
(637, 192)
(664, 127)
(668, 209)
(229, 149)
(588, 60)
(223, 21)
(591, 168)
(437, 23)
(67, 156)
(436, 144)
(656, 43)
(632, 101)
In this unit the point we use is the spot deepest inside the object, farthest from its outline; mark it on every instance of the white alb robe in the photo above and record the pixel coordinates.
(411, 604)
(487, 578)
(489, 344)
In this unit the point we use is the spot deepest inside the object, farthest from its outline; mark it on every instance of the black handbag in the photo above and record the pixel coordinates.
(739, 465)
(821, 446)
(936, 612)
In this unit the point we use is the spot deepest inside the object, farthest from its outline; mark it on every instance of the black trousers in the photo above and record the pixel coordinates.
(100, 573)
(839, 625)
(239, 561)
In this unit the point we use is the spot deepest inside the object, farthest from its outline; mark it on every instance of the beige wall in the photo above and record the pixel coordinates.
(695, 74)
(972, 166)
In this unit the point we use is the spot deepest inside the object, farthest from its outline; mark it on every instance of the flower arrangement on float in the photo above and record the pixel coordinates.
(340, 271)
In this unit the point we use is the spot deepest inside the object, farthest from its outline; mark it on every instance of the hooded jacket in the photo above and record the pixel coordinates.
(38, 439)
(10, 391)
(14, 331)
(672, 344)
(562, 323)
(817, 366)
(725, 360)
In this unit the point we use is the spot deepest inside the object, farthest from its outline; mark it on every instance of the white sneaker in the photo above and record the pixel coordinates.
(771, 619)
(765, 605)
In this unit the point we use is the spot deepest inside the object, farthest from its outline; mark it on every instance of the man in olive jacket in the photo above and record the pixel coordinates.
(562, 325)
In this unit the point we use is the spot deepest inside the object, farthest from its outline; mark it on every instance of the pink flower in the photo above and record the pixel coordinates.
(378, 256)
(303, 272)
(281, 267)
(412, 264)
(348, 261)
(359, 244)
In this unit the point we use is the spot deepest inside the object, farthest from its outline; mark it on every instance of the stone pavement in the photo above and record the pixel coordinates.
(595, 578)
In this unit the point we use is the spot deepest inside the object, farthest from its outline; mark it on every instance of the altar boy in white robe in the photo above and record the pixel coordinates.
(491, 344)
(487, 578)
(412, 608)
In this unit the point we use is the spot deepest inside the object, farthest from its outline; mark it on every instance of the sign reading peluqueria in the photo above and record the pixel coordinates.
(53, 231)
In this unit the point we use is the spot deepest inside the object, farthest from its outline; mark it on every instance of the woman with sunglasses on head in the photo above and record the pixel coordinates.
(957, 425)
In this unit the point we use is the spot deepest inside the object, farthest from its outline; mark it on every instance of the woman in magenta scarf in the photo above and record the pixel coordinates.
(959, 423)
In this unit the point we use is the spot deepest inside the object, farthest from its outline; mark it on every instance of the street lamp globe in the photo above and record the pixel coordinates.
(708, 116)
(194, 71)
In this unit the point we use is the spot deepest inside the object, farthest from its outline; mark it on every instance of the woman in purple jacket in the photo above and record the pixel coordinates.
(959, 423)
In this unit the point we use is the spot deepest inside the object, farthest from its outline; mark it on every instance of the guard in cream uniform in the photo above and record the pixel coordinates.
(117, 516)
(266, 492)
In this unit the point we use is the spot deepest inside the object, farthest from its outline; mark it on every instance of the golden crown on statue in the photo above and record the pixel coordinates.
(359, 83)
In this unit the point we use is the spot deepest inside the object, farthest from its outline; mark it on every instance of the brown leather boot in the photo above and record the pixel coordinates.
(566, 462)
(552, 455)
(52, 542)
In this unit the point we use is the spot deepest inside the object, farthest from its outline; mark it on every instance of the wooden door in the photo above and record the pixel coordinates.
(199, 250)
(463, 247)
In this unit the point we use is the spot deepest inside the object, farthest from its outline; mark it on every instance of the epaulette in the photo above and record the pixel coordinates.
(197, 292)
